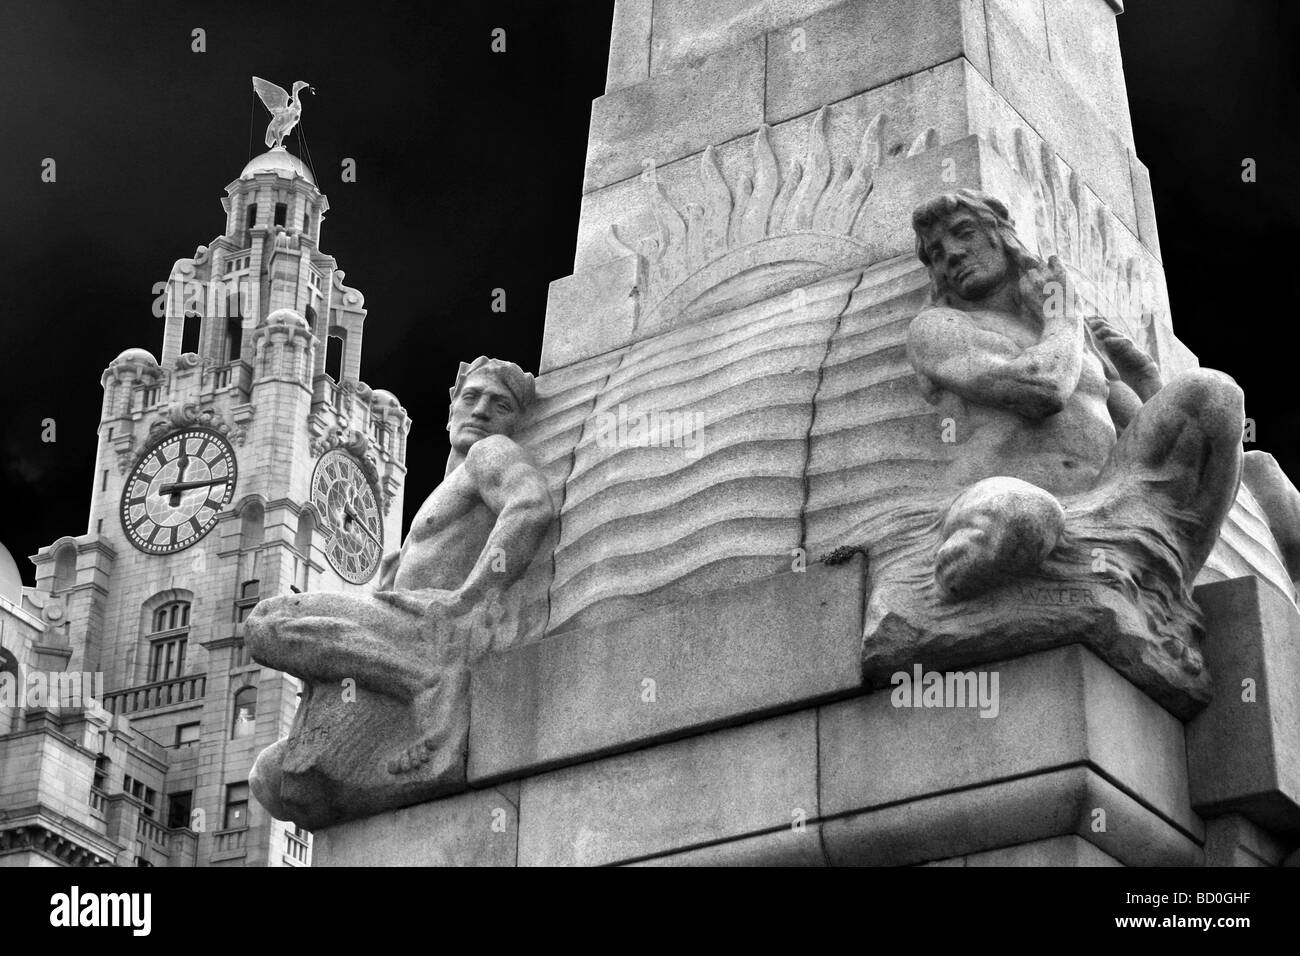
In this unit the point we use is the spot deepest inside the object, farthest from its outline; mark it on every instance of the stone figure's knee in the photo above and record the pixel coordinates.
(1213, 399)
(274, 609)
(265, 777)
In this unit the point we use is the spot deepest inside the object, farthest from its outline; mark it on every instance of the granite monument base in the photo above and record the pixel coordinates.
(734, 730)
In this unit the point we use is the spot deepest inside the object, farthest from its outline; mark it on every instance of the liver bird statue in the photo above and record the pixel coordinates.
(284, 109)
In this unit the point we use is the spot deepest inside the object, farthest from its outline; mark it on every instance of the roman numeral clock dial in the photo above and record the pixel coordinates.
(176, 491)
(348, 503)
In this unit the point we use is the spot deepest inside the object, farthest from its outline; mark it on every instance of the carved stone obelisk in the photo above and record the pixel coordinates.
(841, 267)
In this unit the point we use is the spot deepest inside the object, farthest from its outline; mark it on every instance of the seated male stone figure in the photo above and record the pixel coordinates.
(407, 645)
(1071, 474)
(1055, 406)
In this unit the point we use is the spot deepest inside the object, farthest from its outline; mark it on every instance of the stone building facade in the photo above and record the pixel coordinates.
(249, 460)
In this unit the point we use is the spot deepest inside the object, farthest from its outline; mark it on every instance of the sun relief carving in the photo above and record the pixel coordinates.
(737, 244)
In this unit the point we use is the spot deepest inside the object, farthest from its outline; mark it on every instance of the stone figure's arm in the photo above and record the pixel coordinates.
(512, 486)
(948, 351)
(1122, 403)
(1135, 368)
(388, 570)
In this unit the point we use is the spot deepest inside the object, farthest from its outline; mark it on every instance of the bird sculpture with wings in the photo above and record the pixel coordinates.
(285, 109)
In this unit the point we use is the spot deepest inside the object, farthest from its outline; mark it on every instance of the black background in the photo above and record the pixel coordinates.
(469, 174)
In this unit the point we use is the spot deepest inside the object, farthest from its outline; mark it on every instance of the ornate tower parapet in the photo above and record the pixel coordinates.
(284, 349)
(389, 425)
(126, 375)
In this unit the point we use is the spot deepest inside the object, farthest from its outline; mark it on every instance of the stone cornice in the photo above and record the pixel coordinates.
(56, 836)
(221, 643)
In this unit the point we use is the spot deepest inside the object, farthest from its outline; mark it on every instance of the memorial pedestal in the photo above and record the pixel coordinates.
(758, 746)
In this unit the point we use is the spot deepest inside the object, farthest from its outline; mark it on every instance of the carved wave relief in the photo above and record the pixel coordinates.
(653, 516)
(812, 433)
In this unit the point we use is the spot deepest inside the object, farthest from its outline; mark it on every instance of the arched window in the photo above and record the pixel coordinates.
(244, 722)
(65, 568)
(302, 543)
(252, 525)
(334, 356)
(167, 641)
(234, 338)
(306, 528)
(170, 616)
(191, 327)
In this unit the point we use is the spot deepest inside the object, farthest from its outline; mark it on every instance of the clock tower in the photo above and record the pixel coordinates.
(247, 460)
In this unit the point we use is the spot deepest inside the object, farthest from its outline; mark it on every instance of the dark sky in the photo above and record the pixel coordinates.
(469, 178)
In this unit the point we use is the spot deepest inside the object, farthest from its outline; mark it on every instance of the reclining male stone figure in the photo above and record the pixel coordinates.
(1073, 462)
(408, 644)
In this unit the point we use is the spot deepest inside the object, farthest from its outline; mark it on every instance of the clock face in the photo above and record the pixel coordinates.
(176, 490)
(352, 522)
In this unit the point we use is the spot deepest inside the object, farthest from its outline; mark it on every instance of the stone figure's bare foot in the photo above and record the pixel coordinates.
(412, 758)
(432, 712)
(996, 529)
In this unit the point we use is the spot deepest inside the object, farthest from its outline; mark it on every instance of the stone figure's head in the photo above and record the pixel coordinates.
(968, 241)
(490, 397)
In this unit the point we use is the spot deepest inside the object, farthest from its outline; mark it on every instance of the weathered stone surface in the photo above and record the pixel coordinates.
(1026, 81)
(704, 429)
(1279, 505)
(1054, 708)
(931, 100)
(853, 47)
(953, 100)
(1067, 850)
(1144, 204)
(1010, 812)
(1243, 751)
(1247, 545)
(1028, 17)
(629, 44)
(478, 828)
(785, 847)
(730, 783)
(551, 428)
(1083, 44)
(975, 39)
(1232, 840)
(675, 114)
(687, 30)
(723, 657)
(590, 313)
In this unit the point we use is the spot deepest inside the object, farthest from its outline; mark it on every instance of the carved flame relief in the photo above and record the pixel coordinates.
(815, 207)
(1070, 223)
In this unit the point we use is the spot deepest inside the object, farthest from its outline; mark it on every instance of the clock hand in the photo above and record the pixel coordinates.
(349, 512)
(179, 486)
(175, 499)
